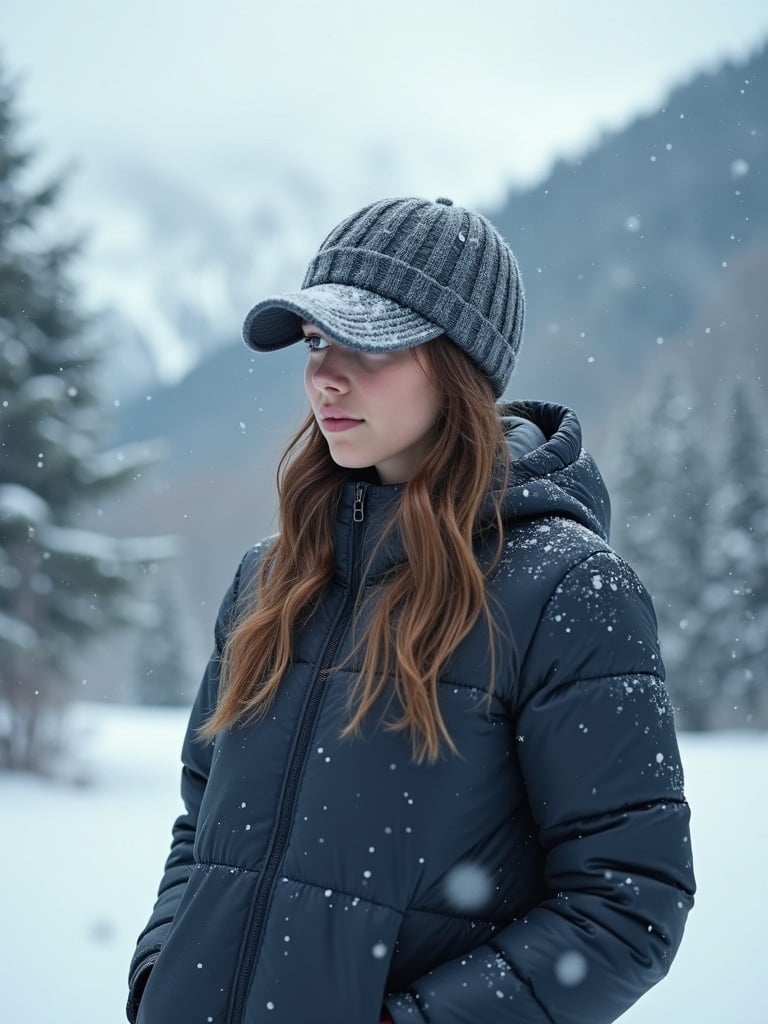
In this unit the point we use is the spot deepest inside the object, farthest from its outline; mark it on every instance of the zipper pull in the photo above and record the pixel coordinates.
(357, 514)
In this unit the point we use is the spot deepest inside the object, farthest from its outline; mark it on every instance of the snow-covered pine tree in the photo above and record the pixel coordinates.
(165, 668)
(734, 662)
(660, 490)
(59, 584)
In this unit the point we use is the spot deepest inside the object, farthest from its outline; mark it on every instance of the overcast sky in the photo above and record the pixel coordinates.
(459, 98)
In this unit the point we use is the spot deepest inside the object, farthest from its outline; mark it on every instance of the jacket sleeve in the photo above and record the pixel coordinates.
(196, 763)
(599, 755)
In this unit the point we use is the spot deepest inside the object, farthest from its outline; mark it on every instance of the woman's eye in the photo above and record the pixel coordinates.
(311, 338)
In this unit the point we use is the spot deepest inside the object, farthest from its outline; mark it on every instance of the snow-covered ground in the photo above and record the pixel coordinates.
(80, 866)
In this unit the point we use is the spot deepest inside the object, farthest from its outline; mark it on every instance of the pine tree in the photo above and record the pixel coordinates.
(735, 605)
(59, 584)
(660, 494)
(165, 674)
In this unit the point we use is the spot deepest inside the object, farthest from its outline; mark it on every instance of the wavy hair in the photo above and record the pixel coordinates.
(425, 608)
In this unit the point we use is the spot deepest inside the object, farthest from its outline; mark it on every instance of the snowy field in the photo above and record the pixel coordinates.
(81, 863)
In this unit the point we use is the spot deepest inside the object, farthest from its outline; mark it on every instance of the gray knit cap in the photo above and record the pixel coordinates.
(400, 272)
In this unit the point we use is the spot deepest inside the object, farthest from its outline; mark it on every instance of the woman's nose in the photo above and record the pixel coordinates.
(331, 372)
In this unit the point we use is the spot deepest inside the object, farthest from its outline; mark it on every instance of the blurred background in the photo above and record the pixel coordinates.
(163, 167)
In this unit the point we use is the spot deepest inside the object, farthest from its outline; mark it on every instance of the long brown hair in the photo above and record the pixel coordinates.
(425, 609)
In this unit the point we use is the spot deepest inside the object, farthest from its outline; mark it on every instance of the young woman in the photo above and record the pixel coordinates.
(431, 773)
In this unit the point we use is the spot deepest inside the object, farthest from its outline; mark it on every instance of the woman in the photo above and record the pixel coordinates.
(431, 774)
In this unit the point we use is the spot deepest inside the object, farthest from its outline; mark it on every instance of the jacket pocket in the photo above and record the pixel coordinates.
(137, 983)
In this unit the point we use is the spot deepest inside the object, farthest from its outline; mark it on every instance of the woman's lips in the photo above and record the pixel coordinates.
(339, 424)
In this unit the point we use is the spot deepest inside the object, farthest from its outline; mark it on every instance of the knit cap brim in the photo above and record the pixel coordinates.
(355, 317)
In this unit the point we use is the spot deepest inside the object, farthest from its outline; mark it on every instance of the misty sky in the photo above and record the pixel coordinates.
(458, 98)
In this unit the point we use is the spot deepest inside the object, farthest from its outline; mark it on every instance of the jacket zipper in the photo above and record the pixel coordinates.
(261, 897)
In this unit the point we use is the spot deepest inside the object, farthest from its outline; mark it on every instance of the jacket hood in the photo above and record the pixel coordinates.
(551, 474)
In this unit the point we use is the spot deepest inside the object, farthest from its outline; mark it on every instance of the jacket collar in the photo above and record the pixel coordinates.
(355, 541)
(550, 474)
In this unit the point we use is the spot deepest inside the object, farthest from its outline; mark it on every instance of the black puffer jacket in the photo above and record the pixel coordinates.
(544, 876)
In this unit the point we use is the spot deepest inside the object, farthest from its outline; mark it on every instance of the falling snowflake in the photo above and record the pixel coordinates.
(467, 886)
(570, 968)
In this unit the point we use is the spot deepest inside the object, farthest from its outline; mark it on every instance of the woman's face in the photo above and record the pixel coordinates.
(390, 396)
